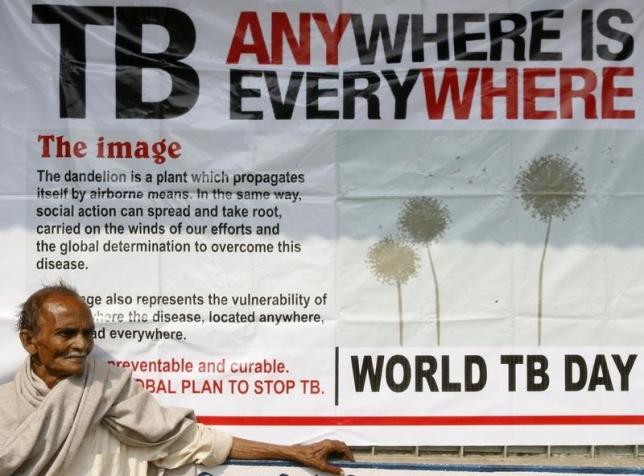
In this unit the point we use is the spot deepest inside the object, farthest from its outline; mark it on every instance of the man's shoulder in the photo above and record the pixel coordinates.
(8, 406)
(114, 370)
(7, 390)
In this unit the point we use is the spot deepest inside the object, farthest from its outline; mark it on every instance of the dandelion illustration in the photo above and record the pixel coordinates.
(393, 261)
(550, 186)
(423, 220)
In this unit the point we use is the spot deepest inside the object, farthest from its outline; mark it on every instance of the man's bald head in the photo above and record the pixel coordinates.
(57, 330)
(32, 307)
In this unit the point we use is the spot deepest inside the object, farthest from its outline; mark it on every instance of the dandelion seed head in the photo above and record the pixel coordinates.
(550, 186)
(423, 219)
(392, 260)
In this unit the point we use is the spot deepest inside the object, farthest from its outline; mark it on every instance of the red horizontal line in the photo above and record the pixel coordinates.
(423, 420)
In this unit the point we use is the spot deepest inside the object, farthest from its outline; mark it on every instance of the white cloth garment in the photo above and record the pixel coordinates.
(101, 454)
(52, 432)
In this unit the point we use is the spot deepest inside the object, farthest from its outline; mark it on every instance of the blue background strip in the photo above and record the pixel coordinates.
(478, 468)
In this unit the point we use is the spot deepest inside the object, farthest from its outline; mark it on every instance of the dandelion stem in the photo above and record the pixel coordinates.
(543, 259)
(400, 312)
(436, 298)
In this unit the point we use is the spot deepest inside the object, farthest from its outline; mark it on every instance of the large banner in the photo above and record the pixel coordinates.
(409, 222)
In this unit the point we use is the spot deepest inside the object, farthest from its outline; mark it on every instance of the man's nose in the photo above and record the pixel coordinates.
(81, 342)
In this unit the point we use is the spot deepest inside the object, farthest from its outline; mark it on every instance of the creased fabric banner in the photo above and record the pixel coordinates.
(394, 223)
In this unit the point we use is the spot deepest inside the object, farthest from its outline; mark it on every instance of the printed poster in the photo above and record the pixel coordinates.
(403, 223)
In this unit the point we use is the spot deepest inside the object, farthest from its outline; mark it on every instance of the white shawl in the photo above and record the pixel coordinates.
(41, 430)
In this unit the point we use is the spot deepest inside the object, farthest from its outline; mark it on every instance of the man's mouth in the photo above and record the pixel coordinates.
(77, 356)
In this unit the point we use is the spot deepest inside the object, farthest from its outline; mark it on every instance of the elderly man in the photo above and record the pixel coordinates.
(68, 414)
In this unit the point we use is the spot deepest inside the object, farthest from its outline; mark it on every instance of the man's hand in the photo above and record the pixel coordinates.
(313, 455)
(316, 455)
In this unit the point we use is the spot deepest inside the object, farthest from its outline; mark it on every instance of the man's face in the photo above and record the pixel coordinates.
(63, 340)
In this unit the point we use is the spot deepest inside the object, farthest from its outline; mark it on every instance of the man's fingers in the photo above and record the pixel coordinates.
(340, 449)
(344, 451)
(329, 468)
(316, 455)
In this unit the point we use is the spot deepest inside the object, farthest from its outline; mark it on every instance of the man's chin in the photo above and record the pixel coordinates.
(75, 365)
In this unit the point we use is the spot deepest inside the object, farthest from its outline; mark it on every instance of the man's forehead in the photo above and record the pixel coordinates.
(65, 311)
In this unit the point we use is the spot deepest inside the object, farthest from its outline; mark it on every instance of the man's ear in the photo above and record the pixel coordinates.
(27, 339)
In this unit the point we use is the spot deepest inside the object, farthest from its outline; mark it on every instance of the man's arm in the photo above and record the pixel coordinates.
(314, 455)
